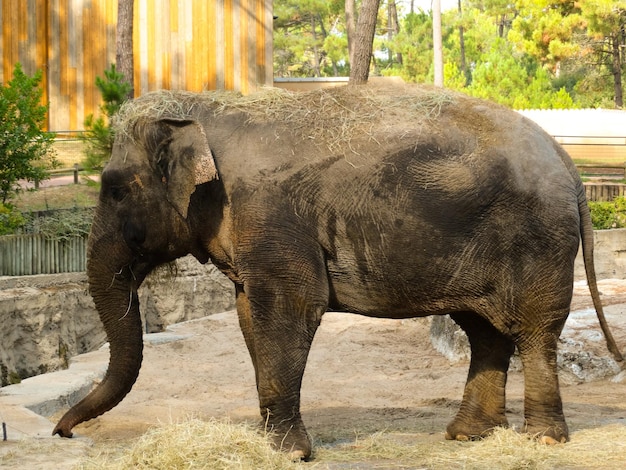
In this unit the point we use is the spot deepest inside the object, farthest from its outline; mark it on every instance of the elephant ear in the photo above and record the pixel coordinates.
(189, 162)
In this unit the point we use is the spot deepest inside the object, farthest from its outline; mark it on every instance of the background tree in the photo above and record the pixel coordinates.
(547, 31)
(124, 58)
(462, 59)
(607, 32)
(437, 44)
(364, 39)
(98, 134)
(560, 52)
(350, 9)
(310, 38)
(393, 29)
(25, 148)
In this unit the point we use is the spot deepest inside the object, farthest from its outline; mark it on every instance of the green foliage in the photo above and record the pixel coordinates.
(503, 77)
(310, 38)
(99, 134)
(548, 54)
(606, 215)
(10, 219)
(415, 43)
(547, 30)
(60, 224)
(25, 149)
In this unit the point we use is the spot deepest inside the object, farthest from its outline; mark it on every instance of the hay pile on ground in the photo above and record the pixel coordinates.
(332, 117)
(505, 449)
(196, 444)
(221, 445)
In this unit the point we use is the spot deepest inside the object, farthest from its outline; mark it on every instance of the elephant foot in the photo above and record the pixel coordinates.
(292, 440)
(463, 431)
(549, 435)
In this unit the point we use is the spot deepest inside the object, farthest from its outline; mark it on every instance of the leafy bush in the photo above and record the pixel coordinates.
(60, 224)
(610, 214)
(99, 135)
(25, 149)
(10, 219)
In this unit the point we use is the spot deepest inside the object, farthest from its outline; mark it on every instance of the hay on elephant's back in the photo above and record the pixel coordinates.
(332, 117)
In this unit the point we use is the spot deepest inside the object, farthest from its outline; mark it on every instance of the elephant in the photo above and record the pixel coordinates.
(393, 201)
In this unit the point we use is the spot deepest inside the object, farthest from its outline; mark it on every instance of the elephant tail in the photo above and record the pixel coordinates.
(586, 235)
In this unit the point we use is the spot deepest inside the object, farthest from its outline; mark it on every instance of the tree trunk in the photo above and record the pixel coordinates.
(124, 43)
(464, 69)
(365, 31)
(316, 51)
(351, 27)
(617, 72)
(437, 44)
(394, 27)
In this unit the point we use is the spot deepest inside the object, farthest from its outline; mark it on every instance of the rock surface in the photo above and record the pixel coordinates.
(48, 319)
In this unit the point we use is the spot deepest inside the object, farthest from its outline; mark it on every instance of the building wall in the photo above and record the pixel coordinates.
(588, 135)
(193, 45)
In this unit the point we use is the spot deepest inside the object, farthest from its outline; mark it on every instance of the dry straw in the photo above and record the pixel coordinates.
(196, 444)
(505, 449)
(221, 445)
(333, 117)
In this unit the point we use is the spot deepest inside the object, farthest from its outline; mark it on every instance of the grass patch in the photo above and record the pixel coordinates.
(70, 196)
(604, 160)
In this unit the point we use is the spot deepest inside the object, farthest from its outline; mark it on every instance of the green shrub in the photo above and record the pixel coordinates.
(25, 149)
(10, 219)
(60, 224)
(99, 135)
(609, 214)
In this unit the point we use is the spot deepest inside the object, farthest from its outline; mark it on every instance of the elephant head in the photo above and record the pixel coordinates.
(142, 220)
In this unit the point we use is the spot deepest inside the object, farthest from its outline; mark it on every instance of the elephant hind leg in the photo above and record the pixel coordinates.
(483, 405)
(543, 408)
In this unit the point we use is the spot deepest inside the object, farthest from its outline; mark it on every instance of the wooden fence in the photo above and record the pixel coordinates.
(598, 192)
(188, 45)
(22, 255)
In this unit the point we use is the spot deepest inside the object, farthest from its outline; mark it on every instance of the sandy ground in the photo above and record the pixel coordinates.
(364, 375)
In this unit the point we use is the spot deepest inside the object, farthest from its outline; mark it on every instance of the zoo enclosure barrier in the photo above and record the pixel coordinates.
(603, 156)
(23, 255)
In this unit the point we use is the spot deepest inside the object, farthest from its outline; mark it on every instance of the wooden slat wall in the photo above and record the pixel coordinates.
(22, 255)
(193, 45)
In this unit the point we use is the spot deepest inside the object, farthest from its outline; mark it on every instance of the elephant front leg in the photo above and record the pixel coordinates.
(279, 338)
(483, 405)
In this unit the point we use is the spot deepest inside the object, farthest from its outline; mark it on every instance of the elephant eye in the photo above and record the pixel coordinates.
(118, 193)
(111, 186)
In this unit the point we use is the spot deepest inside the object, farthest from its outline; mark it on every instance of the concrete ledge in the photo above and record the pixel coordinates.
(24, 406)
(609, 255)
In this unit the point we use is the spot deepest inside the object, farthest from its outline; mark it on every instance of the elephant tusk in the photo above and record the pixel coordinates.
(130, 302)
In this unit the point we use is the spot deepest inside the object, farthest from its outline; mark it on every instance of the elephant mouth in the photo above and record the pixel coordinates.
(132, 273)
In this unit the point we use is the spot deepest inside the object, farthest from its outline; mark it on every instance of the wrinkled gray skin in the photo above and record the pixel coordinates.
(477, 214)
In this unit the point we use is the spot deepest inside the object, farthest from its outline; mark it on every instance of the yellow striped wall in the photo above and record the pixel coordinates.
(178, 44)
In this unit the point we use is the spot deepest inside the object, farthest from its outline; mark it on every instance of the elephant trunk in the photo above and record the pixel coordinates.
(114, 292)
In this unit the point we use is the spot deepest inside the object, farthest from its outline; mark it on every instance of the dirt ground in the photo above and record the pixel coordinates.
(364, 375)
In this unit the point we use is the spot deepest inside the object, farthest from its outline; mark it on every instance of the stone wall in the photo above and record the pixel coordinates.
(48, 319)
(609, 255)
